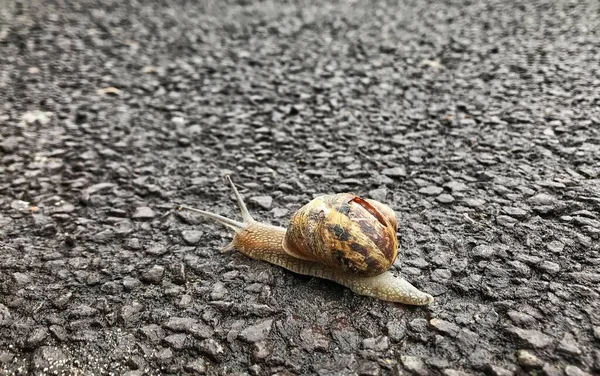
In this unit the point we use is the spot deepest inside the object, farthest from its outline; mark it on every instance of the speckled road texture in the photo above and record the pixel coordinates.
(478, 122)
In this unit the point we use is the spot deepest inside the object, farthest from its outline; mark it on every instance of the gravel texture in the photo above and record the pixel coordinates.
(477, 121)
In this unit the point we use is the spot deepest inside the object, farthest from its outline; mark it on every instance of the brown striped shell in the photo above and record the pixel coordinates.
(344, 231)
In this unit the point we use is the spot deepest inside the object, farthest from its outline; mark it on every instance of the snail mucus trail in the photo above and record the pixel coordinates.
(354, 247)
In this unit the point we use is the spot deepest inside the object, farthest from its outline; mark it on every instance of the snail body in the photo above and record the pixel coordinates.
(343, 238)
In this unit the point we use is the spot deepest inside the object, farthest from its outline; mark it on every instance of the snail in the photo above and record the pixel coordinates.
(342, 237)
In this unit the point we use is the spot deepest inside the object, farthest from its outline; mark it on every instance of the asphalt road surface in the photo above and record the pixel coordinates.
(478, 122)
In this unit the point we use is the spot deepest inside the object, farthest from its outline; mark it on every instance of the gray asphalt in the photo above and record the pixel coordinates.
(477, 122)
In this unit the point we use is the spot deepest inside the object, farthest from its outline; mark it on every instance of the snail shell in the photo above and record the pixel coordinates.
(346, 232)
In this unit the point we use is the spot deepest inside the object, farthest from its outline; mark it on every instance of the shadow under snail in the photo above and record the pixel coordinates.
(342, 238)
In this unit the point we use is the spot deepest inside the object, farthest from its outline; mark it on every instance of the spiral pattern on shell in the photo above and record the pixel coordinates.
(344, 231)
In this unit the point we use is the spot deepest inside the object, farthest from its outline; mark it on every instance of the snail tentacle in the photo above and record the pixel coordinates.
(234, 225)
(240, 202)
(228, 248)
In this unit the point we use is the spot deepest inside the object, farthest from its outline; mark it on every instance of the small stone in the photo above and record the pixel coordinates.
(420, 263)
(315, 173)
(143, 213)
(6, 356)
(21, 278)
(575, 371)
(130, 283)
(4, 315)
(521, 318)
(479, 358)
(347, 340)
(431, 190)
(484, 251)
(456, 186)
(279, 212)
(380, 343)
(437, 362)
(533, 338)
(445, 198)
(257, 332)
(59, 332)
(192, 236)
(20, 206)
(418, 325)
(555, 246)
(596, 330)
(98, 187)
(64, 208)
(130, 313)
(467, 339)
(495, 370)
(542, 199)
(164, 354)
(134, 243)
(545, 209)
(124, 227)
(569, 344)
(473, 202)
(414, 364)
(506, 221)
(453, 372)
(197, 366)
(441, 275)
(261, 351)
(218, 291)
(9, 145)
(528, 360)
(394, 172)
(264, 202)
(515, 212)
(83, 311)
(154, 274)
(5, 221)
(369, 369)
(445, 327)
(585, 277)
(103, 236)
(313, 340)
(212, 349)
(176, 341)
(178, 120)
(37, 336)
(37, 116)
(152, 333)
(519, 268)
(396, 330)
(180, 324)
(201, 331)
(551, 184)
(550, 370)
(549, 267)
(157, 250)
(61, 302)
(585, 221)
(596, 356)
